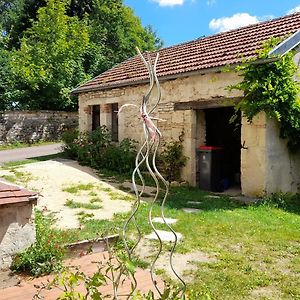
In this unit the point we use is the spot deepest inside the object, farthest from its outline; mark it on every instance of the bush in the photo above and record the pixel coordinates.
(97, 150)
(285, 201)
(70, 148)
(172, 160)
(46, 254)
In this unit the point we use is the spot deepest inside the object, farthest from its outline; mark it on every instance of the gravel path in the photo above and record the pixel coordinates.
(50, 177)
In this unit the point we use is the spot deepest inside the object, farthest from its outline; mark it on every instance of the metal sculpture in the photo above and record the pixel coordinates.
(150, 148)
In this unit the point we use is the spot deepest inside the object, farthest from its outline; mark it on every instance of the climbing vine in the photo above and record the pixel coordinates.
(272, 87)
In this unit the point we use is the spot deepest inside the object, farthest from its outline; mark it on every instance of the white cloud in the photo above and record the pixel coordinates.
(294, 10)
(233, 22)
(169, 2)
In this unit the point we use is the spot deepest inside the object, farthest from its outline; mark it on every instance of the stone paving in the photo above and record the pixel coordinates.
(27, 288)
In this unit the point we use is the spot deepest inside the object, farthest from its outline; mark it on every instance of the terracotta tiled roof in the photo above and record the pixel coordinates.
(214, 51)
(14, 194)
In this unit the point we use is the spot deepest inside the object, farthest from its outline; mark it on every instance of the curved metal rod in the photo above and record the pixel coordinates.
(152, 269)
(134, 211)
(157, 85)
(166, 184)
(152, 139)
(136, 204)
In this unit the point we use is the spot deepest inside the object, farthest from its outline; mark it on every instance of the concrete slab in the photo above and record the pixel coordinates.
(168, 220)
(191, 210)
(194, 202)
(213, 196)
(166, 236)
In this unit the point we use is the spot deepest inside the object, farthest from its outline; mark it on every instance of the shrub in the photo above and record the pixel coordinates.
(70, 147)
(46, 254)
(285, 201)
(172, 160)
(97, 150)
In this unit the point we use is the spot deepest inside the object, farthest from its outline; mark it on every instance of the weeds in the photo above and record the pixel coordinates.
(77, 188)
(46, 254)
(74, 204)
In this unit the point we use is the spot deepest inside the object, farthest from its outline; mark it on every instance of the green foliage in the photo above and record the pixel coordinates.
(5, 74)
(97, 150)
(286, 201)
(46, 254)
(48, 47)
(75, 204)
(49, 62)
(115, 269)
(172, 160)
(271, 87)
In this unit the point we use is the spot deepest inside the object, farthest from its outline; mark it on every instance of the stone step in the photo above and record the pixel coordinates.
(213, 196)
(165, 236)
(161, 221)
(194, 202)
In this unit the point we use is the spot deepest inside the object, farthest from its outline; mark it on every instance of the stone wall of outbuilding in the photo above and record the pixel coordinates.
(259, 173)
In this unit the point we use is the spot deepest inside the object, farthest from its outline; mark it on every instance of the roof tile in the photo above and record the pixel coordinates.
(218, 50)
(10, 193)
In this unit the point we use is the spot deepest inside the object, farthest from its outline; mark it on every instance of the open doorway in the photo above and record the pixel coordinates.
(221, 132)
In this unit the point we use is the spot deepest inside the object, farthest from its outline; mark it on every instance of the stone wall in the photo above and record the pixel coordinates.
(195, 88)
(17, 230)
(30, 126)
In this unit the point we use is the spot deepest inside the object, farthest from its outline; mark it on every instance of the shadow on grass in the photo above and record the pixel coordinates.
(181, 197)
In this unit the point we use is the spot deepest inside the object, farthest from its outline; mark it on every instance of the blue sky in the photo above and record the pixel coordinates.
(177, 21)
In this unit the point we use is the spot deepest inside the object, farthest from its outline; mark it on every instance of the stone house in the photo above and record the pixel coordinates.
(17, 229)
(196, 101)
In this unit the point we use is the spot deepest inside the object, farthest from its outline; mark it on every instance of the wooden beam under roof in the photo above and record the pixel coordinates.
(207, 103)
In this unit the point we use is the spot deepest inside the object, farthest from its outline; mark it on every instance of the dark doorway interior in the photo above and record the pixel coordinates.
(220, 132)
(95, 116)
(115, 122)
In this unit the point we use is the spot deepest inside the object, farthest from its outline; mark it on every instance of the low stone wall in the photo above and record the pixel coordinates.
(32, 126)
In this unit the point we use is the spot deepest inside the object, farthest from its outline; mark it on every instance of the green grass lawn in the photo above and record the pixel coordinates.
(256, 247)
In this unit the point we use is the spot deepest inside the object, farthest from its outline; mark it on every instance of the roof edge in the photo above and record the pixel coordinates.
(167, 77)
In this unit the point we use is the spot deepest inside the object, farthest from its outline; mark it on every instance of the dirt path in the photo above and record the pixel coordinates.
(52, 178)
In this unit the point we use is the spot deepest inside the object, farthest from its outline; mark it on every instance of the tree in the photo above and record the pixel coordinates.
(51, 46)
(49, 63)
(16, 17)
(116, 29)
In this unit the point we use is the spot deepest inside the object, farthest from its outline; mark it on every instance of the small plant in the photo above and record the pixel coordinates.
(285, 201)
(95, 199)
(76, 188)
(46, 254)
(113, 271)
(83, 216)
(74, 204)
(172, 160)
(92, 194)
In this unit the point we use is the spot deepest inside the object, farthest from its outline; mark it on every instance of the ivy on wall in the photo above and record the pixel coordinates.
(272, 87)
